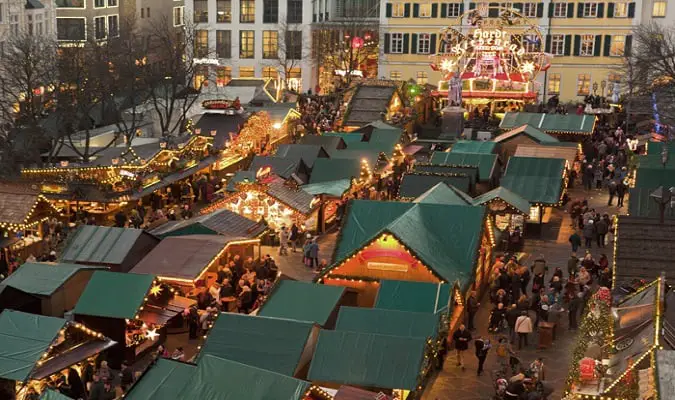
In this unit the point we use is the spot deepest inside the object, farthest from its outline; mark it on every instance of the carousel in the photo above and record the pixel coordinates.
(494, 61)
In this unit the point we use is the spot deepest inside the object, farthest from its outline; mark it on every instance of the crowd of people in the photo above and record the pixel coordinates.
(320, 113)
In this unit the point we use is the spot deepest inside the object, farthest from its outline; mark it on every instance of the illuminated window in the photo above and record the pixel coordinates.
(620, 10)
(560, 10)
(270, 73)
(424, 43)
(425, 10)
(583, 84)
(201, 76)
(398, 10)
(178, 16)
(201, 43)
(246, 72)
(270, 44)
(590, 10)
(223, 10)
(246, 44)
(554, 84)
(659, 9)
(294, 79)
(247, 11)
(483, 8)
(587, 45)
(223, 76)
(506, 6)
(395, 75)
(422, 77)
(201, 11)
(223, 44)
(530, 10)
(557, 45)
(454, 10)
(614, 77)
(396, 45)
(618, 46)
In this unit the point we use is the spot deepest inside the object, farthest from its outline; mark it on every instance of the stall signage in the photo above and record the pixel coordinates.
(126, 173)
(263, 172)
(382, 266)
(210, 61)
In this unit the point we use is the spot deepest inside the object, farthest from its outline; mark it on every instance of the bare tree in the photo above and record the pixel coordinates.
(291, 50)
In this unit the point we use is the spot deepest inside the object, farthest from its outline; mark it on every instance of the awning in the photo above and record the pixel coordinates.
(160, 316)
(412, 149)
(75, 355)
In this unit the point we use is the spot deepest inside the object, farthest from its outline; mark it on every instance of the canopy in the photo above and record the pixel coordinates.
(333, 169)
(413, 296)
(473, 146)
(415, 184)
(330, 188)
(538, 180)
(387, 322)
(367, 359)
(101, 244)
(443, 193)
(43, 279)
(550, 123)
(50, 394)
(526, 130)
(486, 163)
(302, 301)
(221, 222)
(162, 380)
(514, 200)
(114, 294)
(273, 344)
(641, 204)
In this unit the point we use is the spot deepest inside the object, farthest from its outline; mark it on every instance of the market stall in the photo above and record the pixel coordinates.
(415, 183)
(488, 166)
(562, 125)
(508, 212)
(443, 193)
(221, 222)
(523, 135)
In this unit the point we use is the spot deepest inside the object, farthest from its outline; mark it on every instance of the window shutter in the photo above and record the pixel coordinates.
(432, 44)
(551, 6)
(518, 6)
(434, 10)
(580, 10)
(406, 43)
(607, 46)
(547, 48)
(406, 10)
(413, 44)
(631, 10)
(461, 8)
(628, 45)
(387, 39)
(444, 10)
(540, 10)
(570, 10)
(577, 44)
(568, 44)
(601, 10)
(610, 10)
(416, 10)
(472, 6)
(388, 12)
(598, 45)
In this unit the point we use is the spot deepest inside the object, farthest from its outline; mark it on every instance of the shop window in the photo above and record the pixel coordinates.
(246, 72)
(246, 44)
(270, 44)
(422, 77)
(223, 76)
(554, 83)
(223, 10)
(583, 84)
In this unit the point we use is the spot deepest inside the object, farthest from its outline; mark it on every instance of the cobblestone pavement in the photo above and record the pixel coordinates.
(291, 264)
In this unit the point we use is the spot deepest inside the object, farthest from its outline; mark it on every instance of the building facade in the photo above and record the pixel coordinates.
(80, 20)
(37, 17)
(586, 39)
(250, 39)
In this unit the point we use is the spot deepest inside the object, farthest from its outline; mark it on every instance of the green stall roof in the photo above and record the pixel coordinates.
(486, 163)
(50, 394)
(333, 169)
(412, 296)
(538, 180)
(302, 301)
(527, 130)
(415, 184)
(640, 204)
(367, 359)
(101, 244)
(331, 188)
(473, 146)
(162, 380)
(43, 279)
(443, 193)
(375, 147)
(274, 344)
(387, 322)
(654, 161)
(24, 338)
(220, 379)
(470, 171)
(114, 294)
(652, 178)
(348, 137)
(515, 200)
(445, 238)
(550, 123)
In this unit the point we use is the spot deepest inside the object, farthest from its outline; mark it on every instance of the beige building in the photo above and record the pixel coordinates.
(79, 20)
(36, 17)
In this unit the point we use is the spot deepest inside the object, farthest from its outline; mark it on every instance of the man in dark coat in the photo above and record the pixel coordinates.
(620, 193)
(575, 304)
(572, 265)
(461, 337)
(511, 316)
(601, 229)
(482, 349)
(472, 309)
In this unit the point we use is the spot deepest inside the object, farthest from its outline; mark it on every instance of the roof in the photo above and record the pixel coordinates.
(387, 322)
(183, 257)
(665, 373)
(43, 279)
(443, 193)
(328, 142)
(24, 338)
(527, 130)
(538, 180)
(413, 296)
(50, 394)
(652, 178)
(222, 222)
(101, 244)
(220, 379)
(367, 359)
(34, 4)
(569, 153)
(331, 188)
(308, 153)
(302, 301)
(513, 199)
(273, 344)
(283, 167)
(368, 104)
(645, 248)
(640, 204)
(384, 145)
(377, 124)
(470, 170)
(333, 169)
(16, 202)
(114, 294)
(222, 124)
(348, 137)
(655, 161)
(550, 123)
(473, 146)
(370, 155)
(415, 184)
(485, 162)
(162, 380)
(297, 199)
(444, 237)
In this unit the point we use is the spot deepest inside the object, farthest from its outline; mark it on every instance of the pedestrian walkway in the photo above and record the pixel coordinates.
(292, 266)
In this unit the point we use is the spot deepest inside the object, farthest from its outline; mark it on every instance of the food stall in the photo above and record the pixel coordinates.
(508, 212)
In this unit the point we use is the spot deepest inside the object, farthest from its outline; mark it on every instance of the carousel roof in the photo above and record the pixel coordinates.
(302, 301)
(387, 322)
(413, 296)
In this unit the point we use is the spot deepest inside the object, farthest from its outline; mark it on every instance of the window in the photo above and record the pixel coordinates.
(247, 11)
(270, 73)
(620, 10)
(178, 16)
(70, 28)
(614, 77)
(293, 45)
(29, 19)
(246, 72)
(531, 43)
(483, 8)
(396, 45)
(201, 11)
(554, 84)
(113, 26)
(659, 9)
(142, 12)
(398, 10)
(70, 4)
(270, 11)
(454, 10)
(223, 76)
(557, 45)
(506, 6)
(294, 79)
(14, 24)
(424, 43)
(422, 77)
(99, 28)
(618, 45)
(246, 44)
(147, 13)
(201, 43)
(294, 12)
(560, 10)
(395, 75)
(99, 3)
(270, 44)
(39, 25)
(587, 45)
(583, 84)
(2, 12)
(425, 10)
(223, 10)
(113, 3)
(224, 44)
(201, 76)
(530, 10)
(590, 10)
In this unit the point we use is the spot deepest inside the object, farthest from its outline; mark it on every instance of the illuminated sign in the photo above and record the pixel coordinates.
(314, 202)
(382, 266)
(263, 172)
(126, 173)
(209, 61)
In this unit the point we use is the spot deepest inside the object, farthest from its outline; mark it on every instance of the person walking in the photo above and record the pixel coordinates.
(511, 317)
(462, 337)
(572, 265)
(314, 253)
(472, 308)
(575, 241)
(573, 308)
(523, 328)
(283, 241)
(589, 233)
(611, 187)
(482, 348)
(295, 235)
(601, 229)
(620, 193)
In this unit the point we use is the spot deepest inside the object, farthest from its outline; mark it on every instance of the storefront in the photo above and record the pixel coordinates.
(508, 213)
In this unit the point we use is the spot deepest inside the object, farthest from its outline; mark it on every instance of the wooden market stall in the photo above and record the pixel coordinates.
(508, 212)
(221, 222)
(562, 125)
(523, 135)
(443, 193)
(488, 164)
(415, 183)
(37, 349)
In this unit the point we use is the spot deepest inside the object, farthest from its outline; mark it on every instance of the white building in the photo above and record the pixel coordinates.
(36, 17)
(251, 39)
